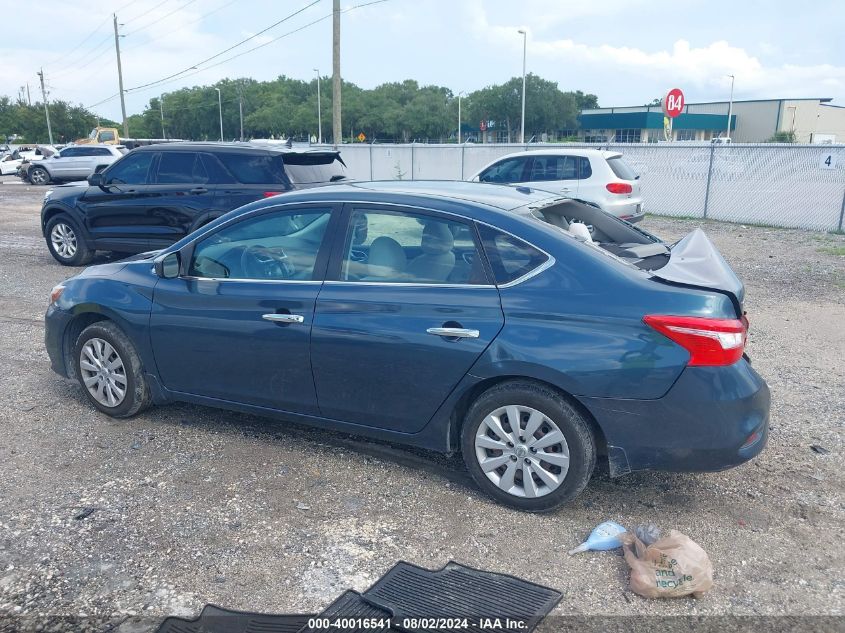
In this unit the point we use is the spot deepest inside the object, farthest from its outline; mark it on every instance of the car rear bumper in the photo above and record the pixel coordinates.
(55, 324)
(629, 209)
(711, 419)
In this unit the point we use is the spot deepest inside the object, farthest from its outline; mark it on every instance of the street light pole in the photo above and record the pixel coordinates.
(524, 50)
(730, 107)
(161, 110)
(220, 108)
(319, 110)
(460, 94)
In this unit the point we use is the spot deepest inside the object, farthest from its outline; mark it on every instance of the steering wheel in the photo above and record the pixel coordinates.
(260, 262)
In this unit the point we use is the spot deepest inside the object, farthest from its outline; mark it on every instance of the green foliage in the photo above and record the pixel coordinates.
(782, 137)
(68, 122)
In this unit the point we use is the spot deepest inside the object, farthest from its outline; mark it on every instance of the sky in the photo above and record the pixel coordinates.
(627, 52)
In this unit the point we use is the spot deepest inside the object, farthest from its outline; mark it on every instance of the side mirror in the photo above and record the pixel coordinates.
(99, 168)
(95, 180)
(167, 266)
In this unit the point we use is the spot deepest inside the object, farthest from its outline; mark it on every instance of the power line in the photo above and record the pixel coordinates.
(72, 65)
(75, 48)
(166, 15)
(141, 15)
(181, 27)
(251, 37)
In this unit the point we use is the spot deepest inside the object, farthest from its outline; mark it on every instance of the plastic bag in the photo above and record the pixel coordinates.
(671, 567)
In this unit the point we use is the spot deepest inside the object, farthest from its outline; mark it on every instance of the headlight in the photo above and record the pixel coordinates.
(55, 293)
(47, 195)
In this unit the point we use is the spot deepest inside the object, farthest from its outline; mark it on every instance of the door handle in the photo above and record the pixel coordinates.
(453, 332)
(197, 190)
(283, 318)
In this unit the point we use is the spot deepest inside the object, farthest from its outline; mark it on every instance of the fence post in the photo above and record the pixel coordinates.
(371, 160)
(412, 161)
(709, 177)
(842, 211)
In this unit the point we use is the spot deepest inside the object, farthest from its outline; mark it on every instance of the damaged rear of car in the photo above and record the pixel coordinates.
(686, 398)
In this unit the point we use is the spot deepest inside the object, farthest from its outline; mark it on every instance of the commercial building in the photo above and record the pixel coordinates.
(811, 120)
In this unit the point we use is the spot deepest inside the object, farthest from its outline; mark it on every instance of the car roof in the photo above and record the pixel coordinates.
(214, 147)
(502, 197)
(564, 151)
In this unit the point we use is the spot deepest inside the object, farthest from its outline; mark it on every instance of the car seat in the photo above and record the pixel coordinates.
(437, 260)
(387, 261)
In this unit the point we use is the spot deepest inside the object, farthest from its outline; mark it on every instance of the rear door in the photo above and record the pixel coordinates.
(181, 197)
(558, 174)
(406, 311)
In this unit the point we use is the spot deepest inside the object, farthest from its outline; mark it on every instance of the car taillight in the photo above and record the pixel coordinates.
(710, 342)
(270, 194)
(619, 187)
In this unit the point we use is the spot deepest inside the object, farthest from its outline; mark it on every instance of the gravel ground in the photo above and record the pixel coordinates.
(186, 505)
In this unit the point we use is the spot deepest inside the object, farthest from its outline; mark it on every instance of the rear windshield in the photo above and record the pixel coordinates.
(622, 169)
(314, 168)
(255, 169)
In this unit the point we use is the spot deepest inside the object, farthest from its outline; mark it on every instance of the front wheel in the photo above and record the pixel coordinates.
(66, 243)
(526, 446)
(109, 370)
(39, 176)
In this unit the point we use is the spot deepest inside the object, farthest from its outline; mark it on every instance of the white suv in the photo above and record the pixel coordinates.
(74, 162)
(598, 177)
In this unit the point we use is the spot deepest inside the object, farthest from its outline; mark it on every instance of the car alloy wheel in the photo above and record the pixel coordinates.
(103, 372)
(64, 240)
(38, 176)
(522, 451)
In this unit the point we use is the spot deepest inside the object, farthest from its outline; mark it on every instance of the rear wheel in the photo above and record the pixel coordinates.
(109, 370)
(66, 243)
(527, 446)
(39, 176)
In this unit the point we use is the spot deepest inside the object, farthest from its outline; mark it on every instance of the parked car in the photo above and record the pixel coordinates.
(599, 177)
(11, 163)
(530, 332)
(157, 194)
(73, 163)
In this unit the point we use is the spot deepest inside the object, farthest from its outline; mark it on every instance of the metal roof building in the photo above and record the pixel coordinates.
(812, 120)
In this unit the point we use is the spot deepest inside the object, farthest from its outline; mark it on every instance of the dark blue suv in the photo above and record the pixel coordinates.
(530, 332)
(158, 194)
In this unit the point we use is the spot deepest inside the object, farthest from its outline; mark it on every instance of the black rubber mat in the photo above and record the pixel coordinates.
(216, 620)
(422, 599)
(350, 613)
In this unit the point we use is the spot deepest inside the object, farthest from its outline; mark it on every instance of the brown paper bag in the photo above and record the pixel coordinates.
(671, 567)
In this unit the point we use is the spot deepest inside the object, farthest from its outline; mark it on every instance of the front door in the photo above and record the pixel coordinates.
(235, 326)
(115, 213)
(408, 310)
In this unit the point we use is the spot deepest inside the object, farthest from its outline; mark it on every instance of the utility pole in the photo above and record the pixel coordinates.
(319, 110)
(120, 78)
(337, 130)
(46, 109)
(241, 108)
(161, 109)
(28, 97)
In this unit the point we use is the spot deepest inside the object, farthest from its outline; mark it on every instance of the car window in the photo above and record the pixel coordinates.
(510, 257)
(398, 247)
(70, 152)
(553, 168)
(255, 169)
(100, 151)
(312, 168)
(180, 168)
(105, 136)
(586, 169)
(276, 246)
(132, 169)
(508, 170)
(622, 169)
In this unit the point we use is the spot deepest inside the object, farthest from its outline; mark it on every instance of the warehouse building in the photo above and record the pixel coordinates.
(814, 120)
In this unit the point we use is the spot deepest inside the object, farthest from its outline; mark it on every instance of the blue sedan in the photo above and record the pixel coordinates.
(532, 333)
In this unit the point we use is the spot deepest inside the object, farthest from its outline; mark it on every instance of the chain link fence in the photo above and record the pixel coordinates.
(785, 185)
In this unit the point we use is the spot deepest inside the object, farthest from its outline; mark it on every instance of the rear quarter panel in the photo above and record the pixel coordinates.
(578, 325)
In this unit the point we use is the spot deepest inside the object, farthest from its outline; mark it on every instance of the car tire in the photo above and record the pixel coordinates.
(109, 370)
(499, 460)
(66, 243)
(39, 176)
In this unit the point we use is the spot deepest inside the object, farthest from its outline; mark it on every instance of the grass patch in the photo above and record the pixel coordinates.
(837, 251)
